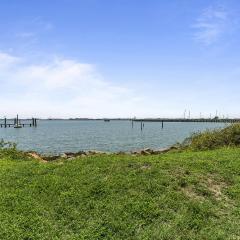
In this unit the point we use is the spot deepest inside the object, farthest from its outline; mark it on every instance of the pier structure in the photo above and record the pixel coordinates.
(213, 120)
(186, 120)
(18, 123)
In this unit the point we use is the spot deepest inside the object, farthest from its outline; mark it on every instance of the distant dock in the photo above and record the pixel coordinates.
(18, 123)
(197, 120)
(185, 120)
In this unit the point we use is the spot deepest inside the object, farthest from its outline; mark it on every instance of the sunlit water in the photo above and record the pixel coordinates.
(59, 136)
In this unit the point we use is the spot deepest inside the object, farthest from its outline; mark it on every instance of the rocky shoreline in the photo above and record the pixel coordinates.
(73, 155)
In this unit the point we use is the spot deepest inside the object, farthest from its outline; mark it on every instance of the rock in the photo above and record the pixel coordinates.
(95, 152)
(80, 153)
(135, 153)
(164, 150)
(63, 155)
(70, 154)
(149, 150)
(73, 155)
(144, 152)
(174, 147)
(83, 155)
(51, 158)
(36, 156)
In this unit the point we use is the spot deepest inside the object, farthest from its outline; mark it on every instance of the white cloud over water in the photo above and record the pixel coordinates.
(61, 88)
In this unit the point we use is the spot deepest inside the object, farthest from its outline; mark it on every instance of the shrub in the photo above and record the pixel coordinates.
(7, 145)
(10, 149)
(229, 136)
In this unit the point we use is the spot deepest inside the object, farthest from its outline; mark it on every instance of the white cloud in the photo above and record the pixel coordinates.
(61, 88)
(67, 88)
(211, 25)
(58, 74)
(7, 60)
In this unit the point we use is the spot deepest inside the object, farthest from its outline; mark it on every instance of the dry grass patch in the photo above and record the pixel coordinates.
(191, 193)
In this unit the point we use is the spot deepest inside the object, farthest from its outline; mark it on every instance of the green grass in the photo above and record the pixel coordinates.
(178, 195)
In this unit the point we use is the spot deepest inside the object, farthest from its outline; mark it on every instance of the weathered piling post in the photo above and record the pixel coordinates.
(141, 126)
(17, 123)
(132, 123)
(162, 124)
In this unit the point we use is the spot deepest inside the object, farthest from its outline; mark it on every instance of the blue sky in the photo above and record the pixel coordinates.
(119, 58)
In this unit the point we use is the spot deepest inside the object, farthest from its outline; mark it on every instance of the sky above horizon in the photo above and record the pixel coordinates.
(122, 58)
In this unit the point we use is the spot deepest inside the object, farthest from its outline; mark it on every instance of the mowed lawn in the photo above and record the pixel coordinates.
(185, 195)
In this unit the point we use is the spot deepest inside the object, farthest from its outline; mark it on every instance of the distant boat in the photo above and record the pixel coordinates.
(18, 126)
(17, 123)
(106, 120)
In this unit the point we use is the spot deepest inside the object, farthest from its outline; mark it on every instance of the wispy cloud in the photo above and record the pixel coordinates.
(211, 25)
(32, 29)
(6, 61)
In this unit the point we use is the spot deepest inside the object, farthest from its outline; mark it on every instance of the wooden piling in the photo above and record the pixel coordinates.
(16, 123)
(162, 124)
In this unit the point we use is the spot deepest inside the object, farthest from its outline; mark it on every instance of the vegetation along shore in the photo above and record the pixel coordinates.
(190, 191)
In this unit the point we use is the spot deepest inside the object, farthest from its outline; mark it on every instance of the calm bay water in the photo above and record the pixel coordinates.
(60, 136)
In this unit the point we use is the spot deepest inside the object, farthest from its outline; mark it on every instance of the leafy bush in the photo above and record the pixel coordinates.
(229, 136)
(7, 145)
(10, 149)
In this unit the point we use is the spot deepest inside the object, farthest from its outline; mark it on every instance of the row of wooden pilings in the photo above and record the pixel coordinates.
(17, 122)
(142, 124)
(184, 120)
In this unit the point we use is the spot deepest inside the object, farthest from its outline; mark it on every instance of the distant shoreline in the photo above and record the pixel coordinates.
(131, 119)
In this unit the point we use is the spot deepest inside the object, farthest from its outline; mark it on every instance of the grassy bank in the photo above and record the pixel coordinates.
(184, 195)
(213, 139)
